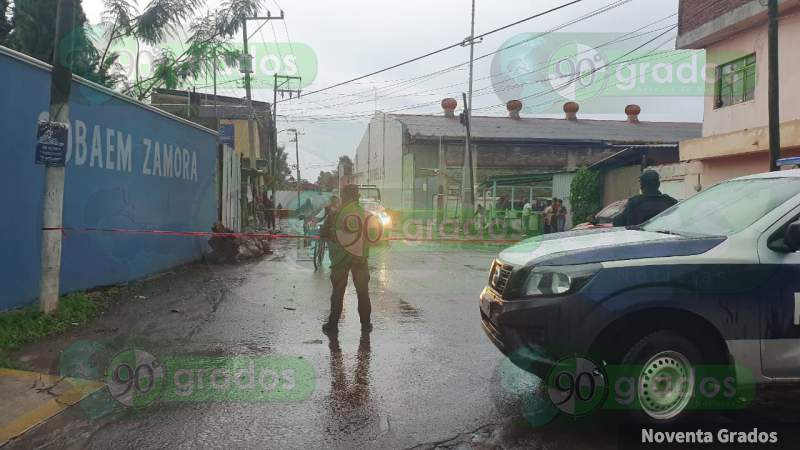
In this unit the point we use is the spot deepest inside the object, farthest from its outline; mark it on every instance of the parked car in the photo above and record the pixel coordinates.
(711, 284)
(605, 218)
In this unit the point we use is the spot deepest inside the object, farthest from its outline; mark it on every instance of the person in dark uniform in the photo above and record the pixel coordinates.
(269, 211)
(346, 232)
(649, 204)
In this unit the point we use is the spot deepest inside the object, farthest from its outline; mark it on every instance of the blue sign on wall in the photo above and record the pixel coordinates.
(227, 135)
(127, 166)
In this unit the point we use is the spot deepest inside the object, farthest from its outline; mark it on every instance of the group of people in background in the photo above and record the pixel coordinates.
(555, 217)
(553, 213)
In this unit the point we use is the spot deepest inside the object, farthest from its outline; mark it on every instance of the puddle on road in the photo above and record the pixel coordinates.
(408, 310)
(351, 408)
(235, 349)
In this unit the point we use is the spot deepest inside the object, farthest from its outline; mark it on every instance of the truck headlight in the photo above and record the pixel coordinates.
(558, 280)
(386, 220)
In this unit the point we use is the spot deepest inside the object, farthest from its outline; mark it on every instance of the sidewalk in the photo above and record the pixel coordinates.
(172, 305)
(30, 398)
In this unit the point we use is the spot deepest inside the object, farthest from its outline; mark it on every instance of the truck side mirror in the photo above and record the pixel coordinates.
(792, 236)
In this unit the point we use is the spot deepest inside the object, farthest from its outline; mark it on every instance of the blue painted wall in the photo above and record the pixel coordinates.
(105, 188)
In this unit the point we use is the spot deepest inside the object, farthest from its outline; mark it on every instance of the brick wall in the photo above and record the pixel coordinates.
(694, 13)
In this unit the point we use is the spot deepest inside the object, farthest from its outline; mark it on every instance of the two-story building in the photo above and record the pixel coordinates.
(735, 137)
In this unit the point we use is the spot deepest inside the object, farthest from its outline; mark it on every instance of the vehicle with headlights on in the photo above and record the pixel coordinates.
(370, 200)
(712, 282)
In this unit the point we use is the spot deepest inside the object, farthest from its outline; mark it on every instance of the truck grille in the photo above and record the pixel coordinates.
(498, 278)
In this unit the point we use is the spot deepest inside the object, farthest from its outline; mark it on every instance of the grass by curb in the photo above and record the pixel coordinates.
(23, 326)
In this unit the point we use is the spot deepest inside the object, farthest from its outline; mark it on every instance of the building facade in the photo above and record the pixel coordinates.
(735, 138)
(415, 158)
(214, 112)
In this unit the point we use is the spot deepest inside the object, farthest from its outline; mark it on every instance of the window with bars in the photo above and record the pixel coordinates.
(736, 81)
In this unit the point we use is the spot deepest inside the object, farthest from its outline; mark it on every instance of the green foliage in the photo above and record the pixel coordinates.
(162, 19)
(33, 33)
(6, 362)
(207, 41)
(587, 194)
(6, 24)
(328, 181)
(345, 160)
(282, 169)
(34, 28)
(23, 326)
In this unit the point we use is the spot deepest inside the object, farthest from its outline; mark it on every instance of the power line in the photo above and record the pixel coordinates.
(286, 28)
(546, 66)
(575, 79)
(435, 52)
(669, 28)
(358, 116)
(542, 80)
(437, 73)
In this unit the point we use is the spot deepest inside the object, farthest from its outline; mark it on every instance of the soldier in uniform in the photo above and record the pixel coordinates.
(349, 232)
(650, 203)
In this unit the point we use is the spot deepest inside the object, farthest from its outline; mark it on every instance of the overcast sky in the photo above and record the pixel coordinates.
(354, 37)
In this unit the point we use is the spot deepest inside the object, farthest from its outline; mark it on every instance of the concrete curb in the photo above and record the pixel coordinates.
(31, 398)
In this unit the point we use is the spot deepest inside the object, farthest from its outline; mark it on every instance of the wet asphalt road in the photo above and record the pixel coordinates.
(426, 376)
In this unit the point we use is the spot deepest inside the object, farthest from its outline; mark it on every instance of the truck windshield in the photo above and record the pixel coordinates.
(726, 208)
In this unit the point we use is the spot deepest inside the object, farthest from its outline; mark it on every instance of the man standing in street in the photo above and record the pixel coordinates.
(649, 204)
(347, 232)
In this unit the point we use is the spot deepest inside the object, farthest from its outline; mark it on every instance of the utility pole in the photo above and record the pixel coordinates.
(468, 189)
(297, 157)
(774, 88)
(52, 213)
(248, 70)
(278, 82)
(247, 63)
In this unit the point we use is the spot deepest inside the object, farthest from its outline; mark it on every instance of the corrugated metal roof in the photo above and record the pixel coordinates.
(504, 128)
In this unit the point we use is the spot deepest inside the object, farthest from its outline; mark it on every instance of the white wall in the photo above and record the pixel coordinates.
(680, 180)
(379, 158)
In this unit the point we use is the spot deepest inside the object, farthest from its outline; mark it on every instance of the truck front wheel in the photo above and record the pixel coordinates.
(662, 363)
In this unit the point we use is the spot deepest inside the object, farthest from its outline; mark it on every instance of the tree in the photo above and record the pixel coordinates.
(346, 161)
(586, 194)
(6, 24)
(328, 181)
(206, 45)
(33, 33)
(283, 173)
(345, 169)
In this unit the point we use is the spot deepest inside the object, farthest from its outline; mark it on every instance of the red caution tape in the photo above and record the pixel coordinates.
(262, 235)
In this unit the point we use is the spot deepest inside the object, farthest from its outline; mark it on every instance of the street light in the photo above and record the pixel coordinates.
(297, 157)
